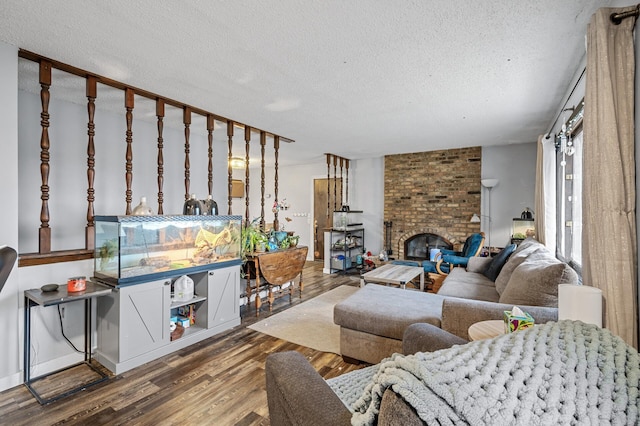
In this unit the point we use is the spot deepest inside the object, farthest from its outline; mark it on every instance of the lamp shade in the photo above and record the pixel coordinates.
(475, 218)
(489, 183)
(580, 302)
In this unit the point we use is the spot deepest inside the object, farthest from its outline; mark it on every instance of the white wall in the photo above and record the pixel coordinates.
(9, 317)
(515, 168)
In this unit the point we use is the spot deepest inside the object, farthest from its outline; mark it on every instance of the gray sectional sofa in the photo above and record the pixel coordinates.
(372, 321)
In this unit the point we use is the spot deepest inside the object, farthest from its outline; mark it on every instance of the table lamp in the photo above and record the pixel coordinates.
(580, 302)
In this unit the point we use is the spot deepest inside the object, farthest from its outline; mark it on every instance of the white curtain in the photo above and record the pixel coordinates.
(545, 193)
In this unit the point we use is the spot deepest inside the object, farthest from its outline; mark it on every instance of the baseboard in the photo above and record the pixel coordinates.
(11, 381)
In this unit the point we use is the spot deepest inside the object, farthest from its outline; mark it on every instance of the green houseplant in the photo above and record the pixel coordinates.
(253, 238)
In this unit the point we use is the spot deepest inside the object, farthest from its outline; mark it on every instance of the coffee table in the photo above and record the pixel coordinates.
(486, 329)
(393, 274)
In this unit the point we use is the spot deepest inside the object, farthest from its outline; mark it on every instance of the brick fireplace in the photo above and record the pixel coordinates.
(433, 192)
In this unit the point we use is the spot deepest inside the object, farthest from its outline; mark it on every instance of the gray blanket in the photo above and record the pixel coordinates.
(558, 373)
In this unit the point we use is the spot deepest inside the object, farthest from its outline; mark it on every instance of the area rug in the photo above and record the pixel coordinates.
(310, 323)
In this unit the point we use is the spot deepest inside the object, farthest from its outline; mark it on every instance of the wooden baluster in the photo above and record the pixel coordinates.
(346, 163)
(247, 141)
(341, 181)
(92, 93)
(335, 183)
(328, 186)
(187, 165)
(276, 147)
(160, 122)
(210, 126)
(229, 169)
(128, 104)
(263, 143)
(44, 233)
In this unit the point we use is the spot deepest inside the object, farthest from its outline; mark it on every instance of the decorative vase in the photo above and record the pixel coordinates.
(192, 206)
(142, 209)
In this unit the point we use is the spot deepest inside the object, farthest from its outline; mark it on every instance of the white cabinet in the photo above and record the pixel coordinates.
(223, 306)
(133, 321)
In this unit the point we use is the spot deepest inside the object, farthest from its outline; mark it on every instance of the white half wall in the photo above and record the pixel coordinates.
(11, 343)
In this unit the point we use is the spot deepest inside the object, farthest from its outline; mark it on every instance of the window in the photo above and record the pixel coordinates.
(569, 144)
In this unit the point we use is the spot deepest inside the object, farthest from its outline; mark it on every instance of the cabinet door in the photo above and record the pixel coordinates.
(223, 300)
(144, 316)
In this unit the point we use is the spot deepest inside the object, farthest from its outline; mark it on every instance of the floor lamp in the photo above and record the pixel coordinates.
(489, 184)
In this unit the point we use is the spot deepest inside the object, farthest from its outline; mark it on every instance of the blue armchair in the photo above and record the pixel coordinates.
(449, 259)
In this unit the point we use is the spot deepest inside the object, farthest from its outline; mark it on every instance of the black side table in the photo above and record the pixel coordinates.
(37, 297)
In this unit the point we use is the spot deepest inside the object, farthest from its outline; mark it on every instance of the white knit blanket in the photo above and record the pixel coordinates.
(558, 373)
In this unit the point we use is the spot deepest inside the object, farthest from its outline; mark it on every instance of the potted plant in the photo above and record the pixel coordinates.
(293, 240)
(253, 239)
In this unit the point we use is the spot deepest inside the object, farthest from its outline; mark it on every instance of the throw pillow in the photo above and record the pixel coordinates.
(498, 261)
(535, 281)
(516, 258)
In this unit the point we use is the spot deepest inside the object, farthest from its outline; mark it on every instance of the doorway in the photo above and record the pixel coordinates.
(324, 202)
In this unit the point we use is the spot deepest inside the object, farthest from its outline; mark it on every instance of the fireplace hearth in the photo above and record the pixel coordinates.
(419, 246)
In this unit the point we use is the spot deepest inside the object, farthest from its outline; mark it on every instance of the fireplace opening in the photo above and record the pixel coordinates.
(419, 246)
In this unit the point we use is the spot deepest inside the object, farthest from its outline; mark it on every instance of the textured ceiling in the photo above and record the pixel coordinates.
(354, 78)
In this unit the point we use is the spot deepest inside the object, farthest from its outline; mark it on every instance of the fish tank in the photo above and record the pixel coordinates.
(522, 228)
(133, 249)
(343, 220)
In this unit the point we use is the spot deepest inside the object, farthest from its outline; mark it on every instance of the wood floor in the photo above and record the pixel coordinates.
(219, 381)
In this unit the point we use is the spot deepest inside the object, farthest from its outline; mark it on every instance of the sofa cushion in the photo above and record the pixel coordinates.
(387, 311)
(498, 261)
(535, 281)
(469, 285)
(516, 258)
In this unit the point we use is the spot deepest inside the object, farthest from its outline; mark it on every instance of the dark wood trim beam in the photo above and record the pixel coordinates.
(25, 54)
(34, 259)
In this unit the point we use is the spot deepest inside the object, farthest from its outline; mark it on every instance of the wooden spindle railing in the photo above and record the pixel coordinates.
(45, 255)
(346, 163)
(45, 230)
(128, 104)
(160, 123)
(341, 186)
(186, 118)
(210, 127)
(335, 183)
(247, 143)
(92, 94)
(276, 148)
(263, 143)
(328, 186)
(229, 169)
